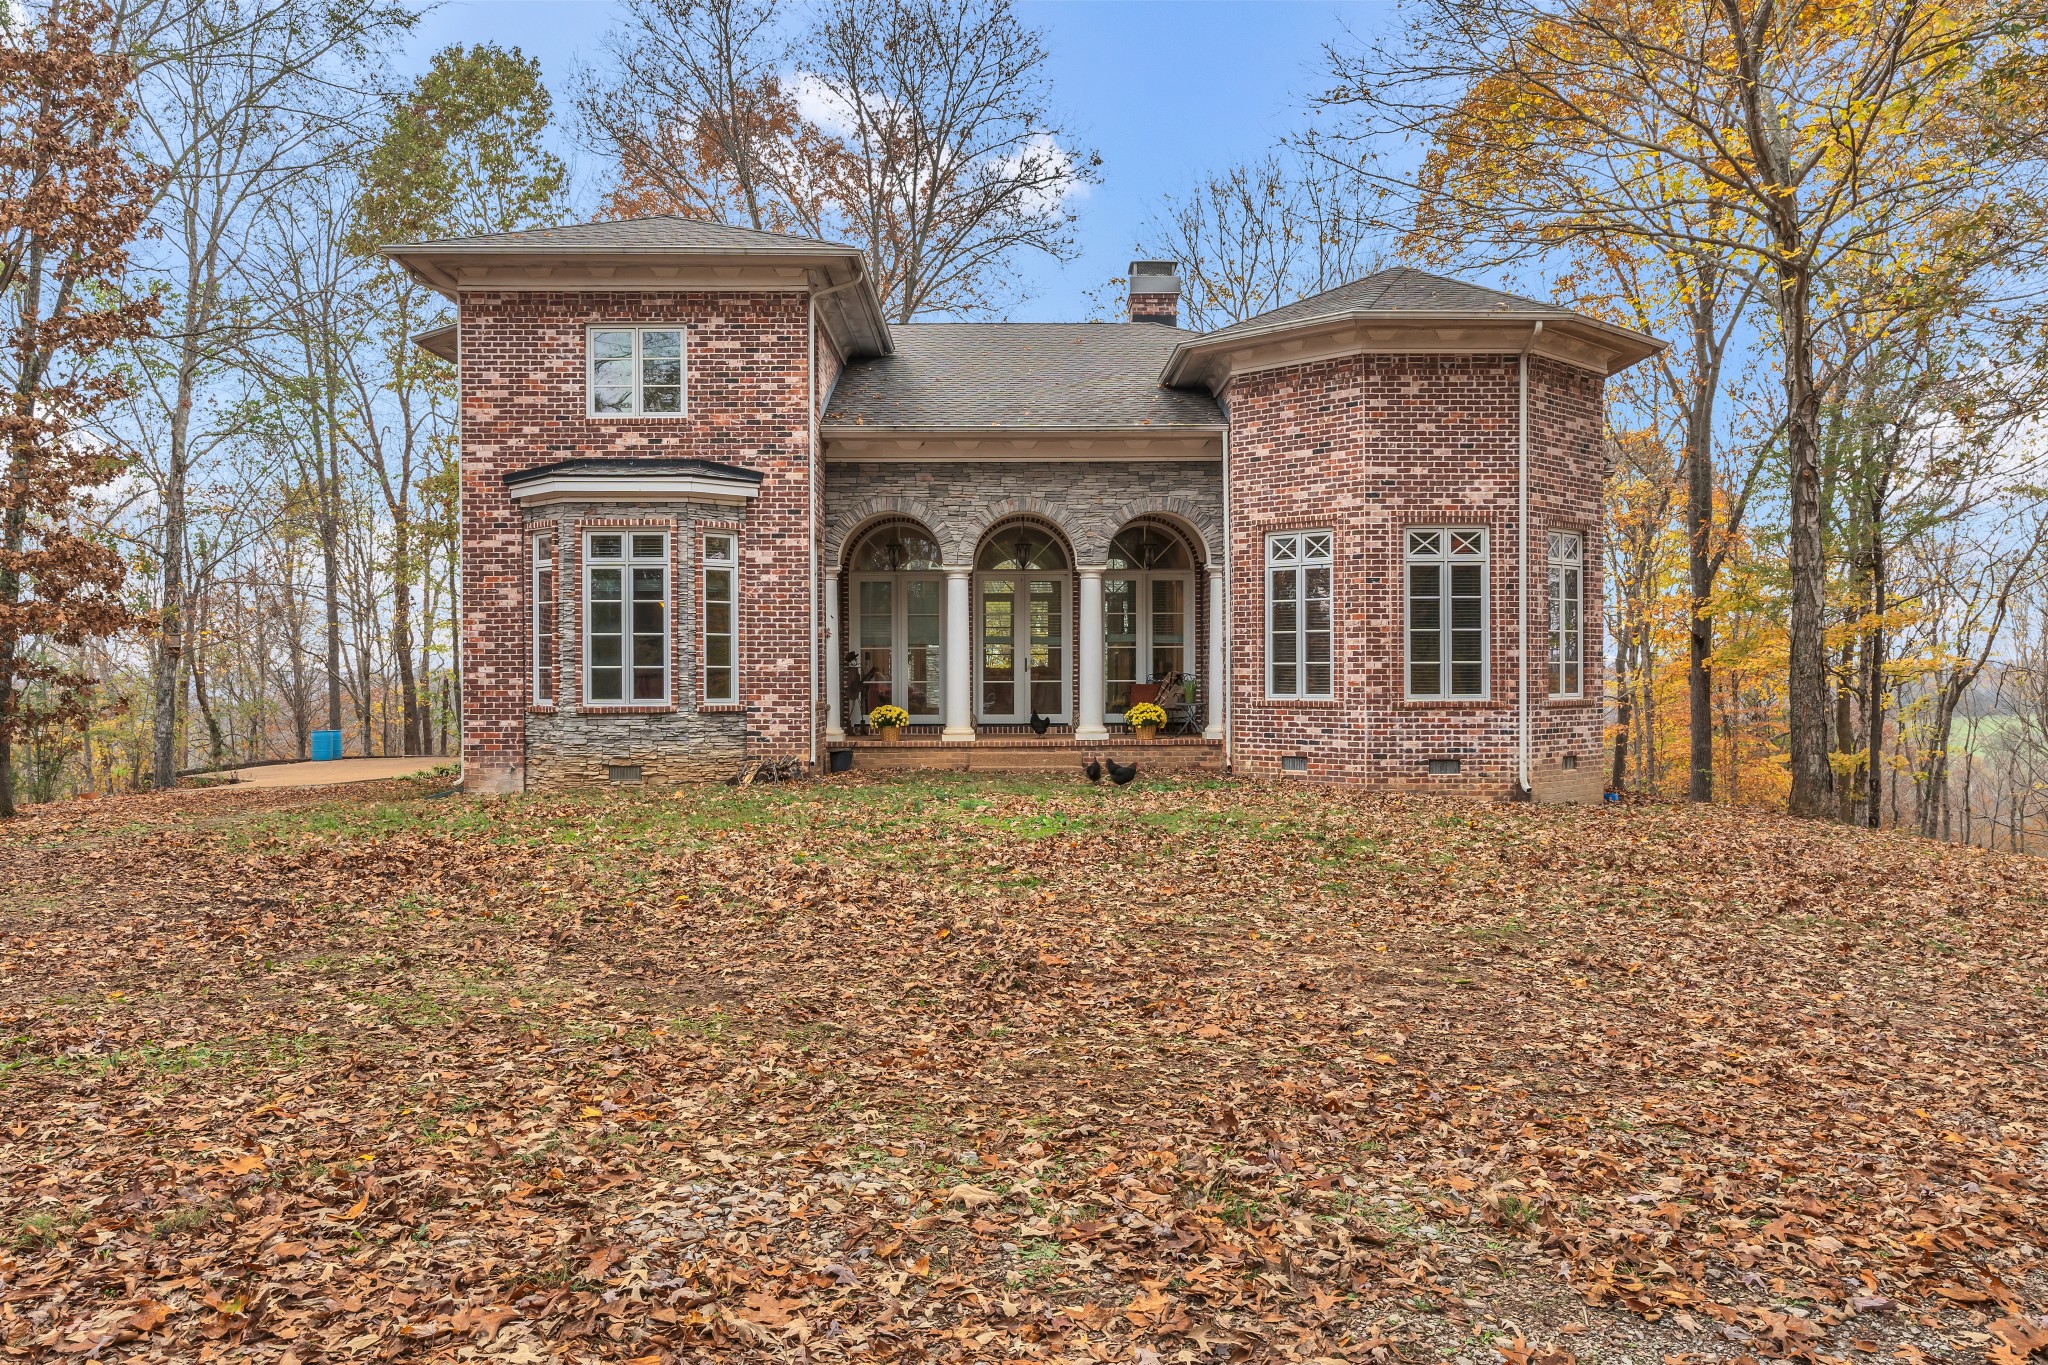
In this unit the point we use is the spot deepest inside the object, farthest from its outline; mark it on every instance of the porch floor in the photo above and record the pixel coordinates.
(1002, 751)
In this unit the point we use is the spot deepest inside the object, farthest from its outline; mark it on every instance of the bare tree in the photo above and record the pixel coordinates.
(238, 102)
(692, 110)
(944, 160)
(1260, 234)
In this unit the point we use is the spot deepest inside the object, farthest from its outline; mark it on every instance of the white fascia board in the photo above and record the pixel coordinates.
(639, 488)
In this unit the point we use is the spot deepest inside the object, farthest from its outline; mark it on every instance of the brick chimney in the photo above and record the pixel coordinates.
(1155, 293)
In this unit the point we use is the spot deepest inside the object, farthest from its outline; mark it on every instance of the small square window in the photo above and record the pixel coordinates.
(1424, 543)
(647, 547)
(636, 371)
(1570, 763)
(1294, 763)
(607, 547)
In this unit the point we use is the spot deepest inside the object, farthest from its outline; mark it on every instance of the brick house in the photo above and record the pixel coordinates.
(715, 505)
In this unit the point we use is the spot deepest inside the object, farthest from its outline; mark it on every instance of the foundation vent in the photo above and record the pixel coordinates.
(625, 774)
(1443, 767)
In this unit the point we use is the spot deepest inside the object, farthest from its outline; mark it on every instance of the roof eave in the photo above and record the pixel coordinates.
(865, 326)
(1183, 367)
(998, 431)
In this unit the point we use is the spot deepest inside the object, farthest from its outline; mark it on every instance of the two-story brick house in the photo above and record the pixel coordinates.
(715, 505)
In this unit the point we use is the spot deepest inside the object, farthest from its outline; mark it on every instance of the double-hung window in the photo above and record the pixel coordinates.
(544, 646)
(625, 617)
(1567, 601)
(636, 371)
(1446, 613)
(721, 640)
(1298, 630)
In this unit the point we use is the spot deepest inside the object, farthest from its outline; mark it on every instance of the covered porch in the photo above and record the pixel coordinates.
(1007, 752)
(1005, 637)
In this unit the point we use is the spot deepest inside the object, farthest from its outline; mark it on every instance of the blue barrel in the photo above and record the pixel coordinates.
(326, 745)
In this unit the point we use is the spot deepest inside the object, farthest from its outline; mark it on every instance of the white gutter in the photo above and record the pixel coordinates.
(1525, 791)
(817, 494)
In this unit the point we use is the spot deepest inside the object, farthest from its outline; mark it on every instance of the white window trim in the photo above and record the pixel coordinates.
(627, 701)
(899, 632)
(705, 564)
(1557, 565)
(1144, 579)
(1301, 616)
(1485, 562)
(541, 665)
(636, 328)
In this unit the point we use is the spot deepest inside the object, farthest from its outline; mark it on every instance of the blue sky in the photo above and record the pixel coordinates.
(1165, 91)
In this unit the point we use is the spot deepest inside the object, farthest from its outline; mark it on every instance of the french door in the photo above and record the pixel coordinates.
(1148, 629)
(899, 629)
(1022, 620)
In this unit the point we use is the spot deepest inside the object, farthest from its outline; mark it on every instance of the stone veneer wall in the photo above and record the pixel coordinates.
(1366, 446)
(684, 740)
(959, 500)
(523, 405)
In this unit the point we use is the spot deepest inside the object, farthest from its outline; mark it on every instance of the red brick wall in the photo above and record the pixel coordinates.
(1365, 447)
(523, 404)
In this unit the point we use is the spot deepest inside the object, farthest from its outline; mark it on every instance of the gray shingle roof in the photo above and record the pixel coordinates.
(1398, 290)
(665, 232)
(1020, 374)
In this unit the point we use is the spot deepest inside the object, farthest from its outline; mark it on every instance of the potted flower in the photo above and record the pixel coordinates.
(1145, 718)
(888, 722)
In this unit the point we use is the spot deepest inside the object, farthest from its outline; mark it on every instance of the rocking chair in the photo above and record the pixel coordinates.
(1182, 716)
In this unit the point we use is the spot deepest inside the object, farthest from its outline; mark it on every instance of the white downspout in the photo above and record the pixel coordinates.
(817, 492)
(1223, 707)
(1522, 738)
(813, 495)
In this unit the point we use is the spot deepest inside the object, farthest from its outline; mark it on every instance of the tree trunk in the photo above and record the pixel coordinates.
(1621, 713)
(409, 739)
(1873, 682)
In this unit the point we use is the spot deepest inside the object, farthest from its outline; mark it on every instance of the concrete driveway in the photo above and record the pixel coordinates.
(331, 773)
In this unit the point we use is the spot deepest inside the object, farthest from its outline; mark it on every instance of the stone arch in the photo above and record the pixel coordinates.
(1198, 523)
(844, 526)
(1041, 510)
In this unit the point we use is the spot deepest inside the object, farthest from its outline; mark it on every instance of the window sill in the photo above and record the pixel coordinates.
(726, 706)
(664, 709)
(1454, 704)
(542, 708)
(636, 416)
(1302, 703)
(1572, 703)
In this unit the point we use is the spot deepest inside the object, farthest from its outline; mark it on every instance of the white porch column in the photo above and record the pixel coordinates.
(835, 724)
(1216, 687)
(959, 656)
(1088, 710)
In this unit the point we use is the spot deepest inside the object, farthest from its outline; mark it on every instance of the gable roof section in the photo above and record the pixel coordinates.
(960, 376)
(1414, 310)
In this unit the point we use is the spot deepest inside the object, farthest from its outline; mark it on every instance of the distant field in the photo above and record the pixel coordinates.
(973, 1068)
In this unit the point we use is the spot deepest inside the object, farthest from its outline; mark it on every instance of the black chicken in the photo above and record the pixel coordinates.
(1092, 770)
(1040, 724)
(1122, 773)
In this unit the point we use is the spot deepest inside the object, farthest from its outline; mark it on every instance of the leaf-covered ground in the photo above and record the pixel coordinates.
(978, 1069)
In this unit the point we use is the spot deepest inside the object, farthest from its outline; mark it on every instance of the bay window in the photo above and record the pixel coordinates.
(625, 617)
(721, 635)
(544, 639)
